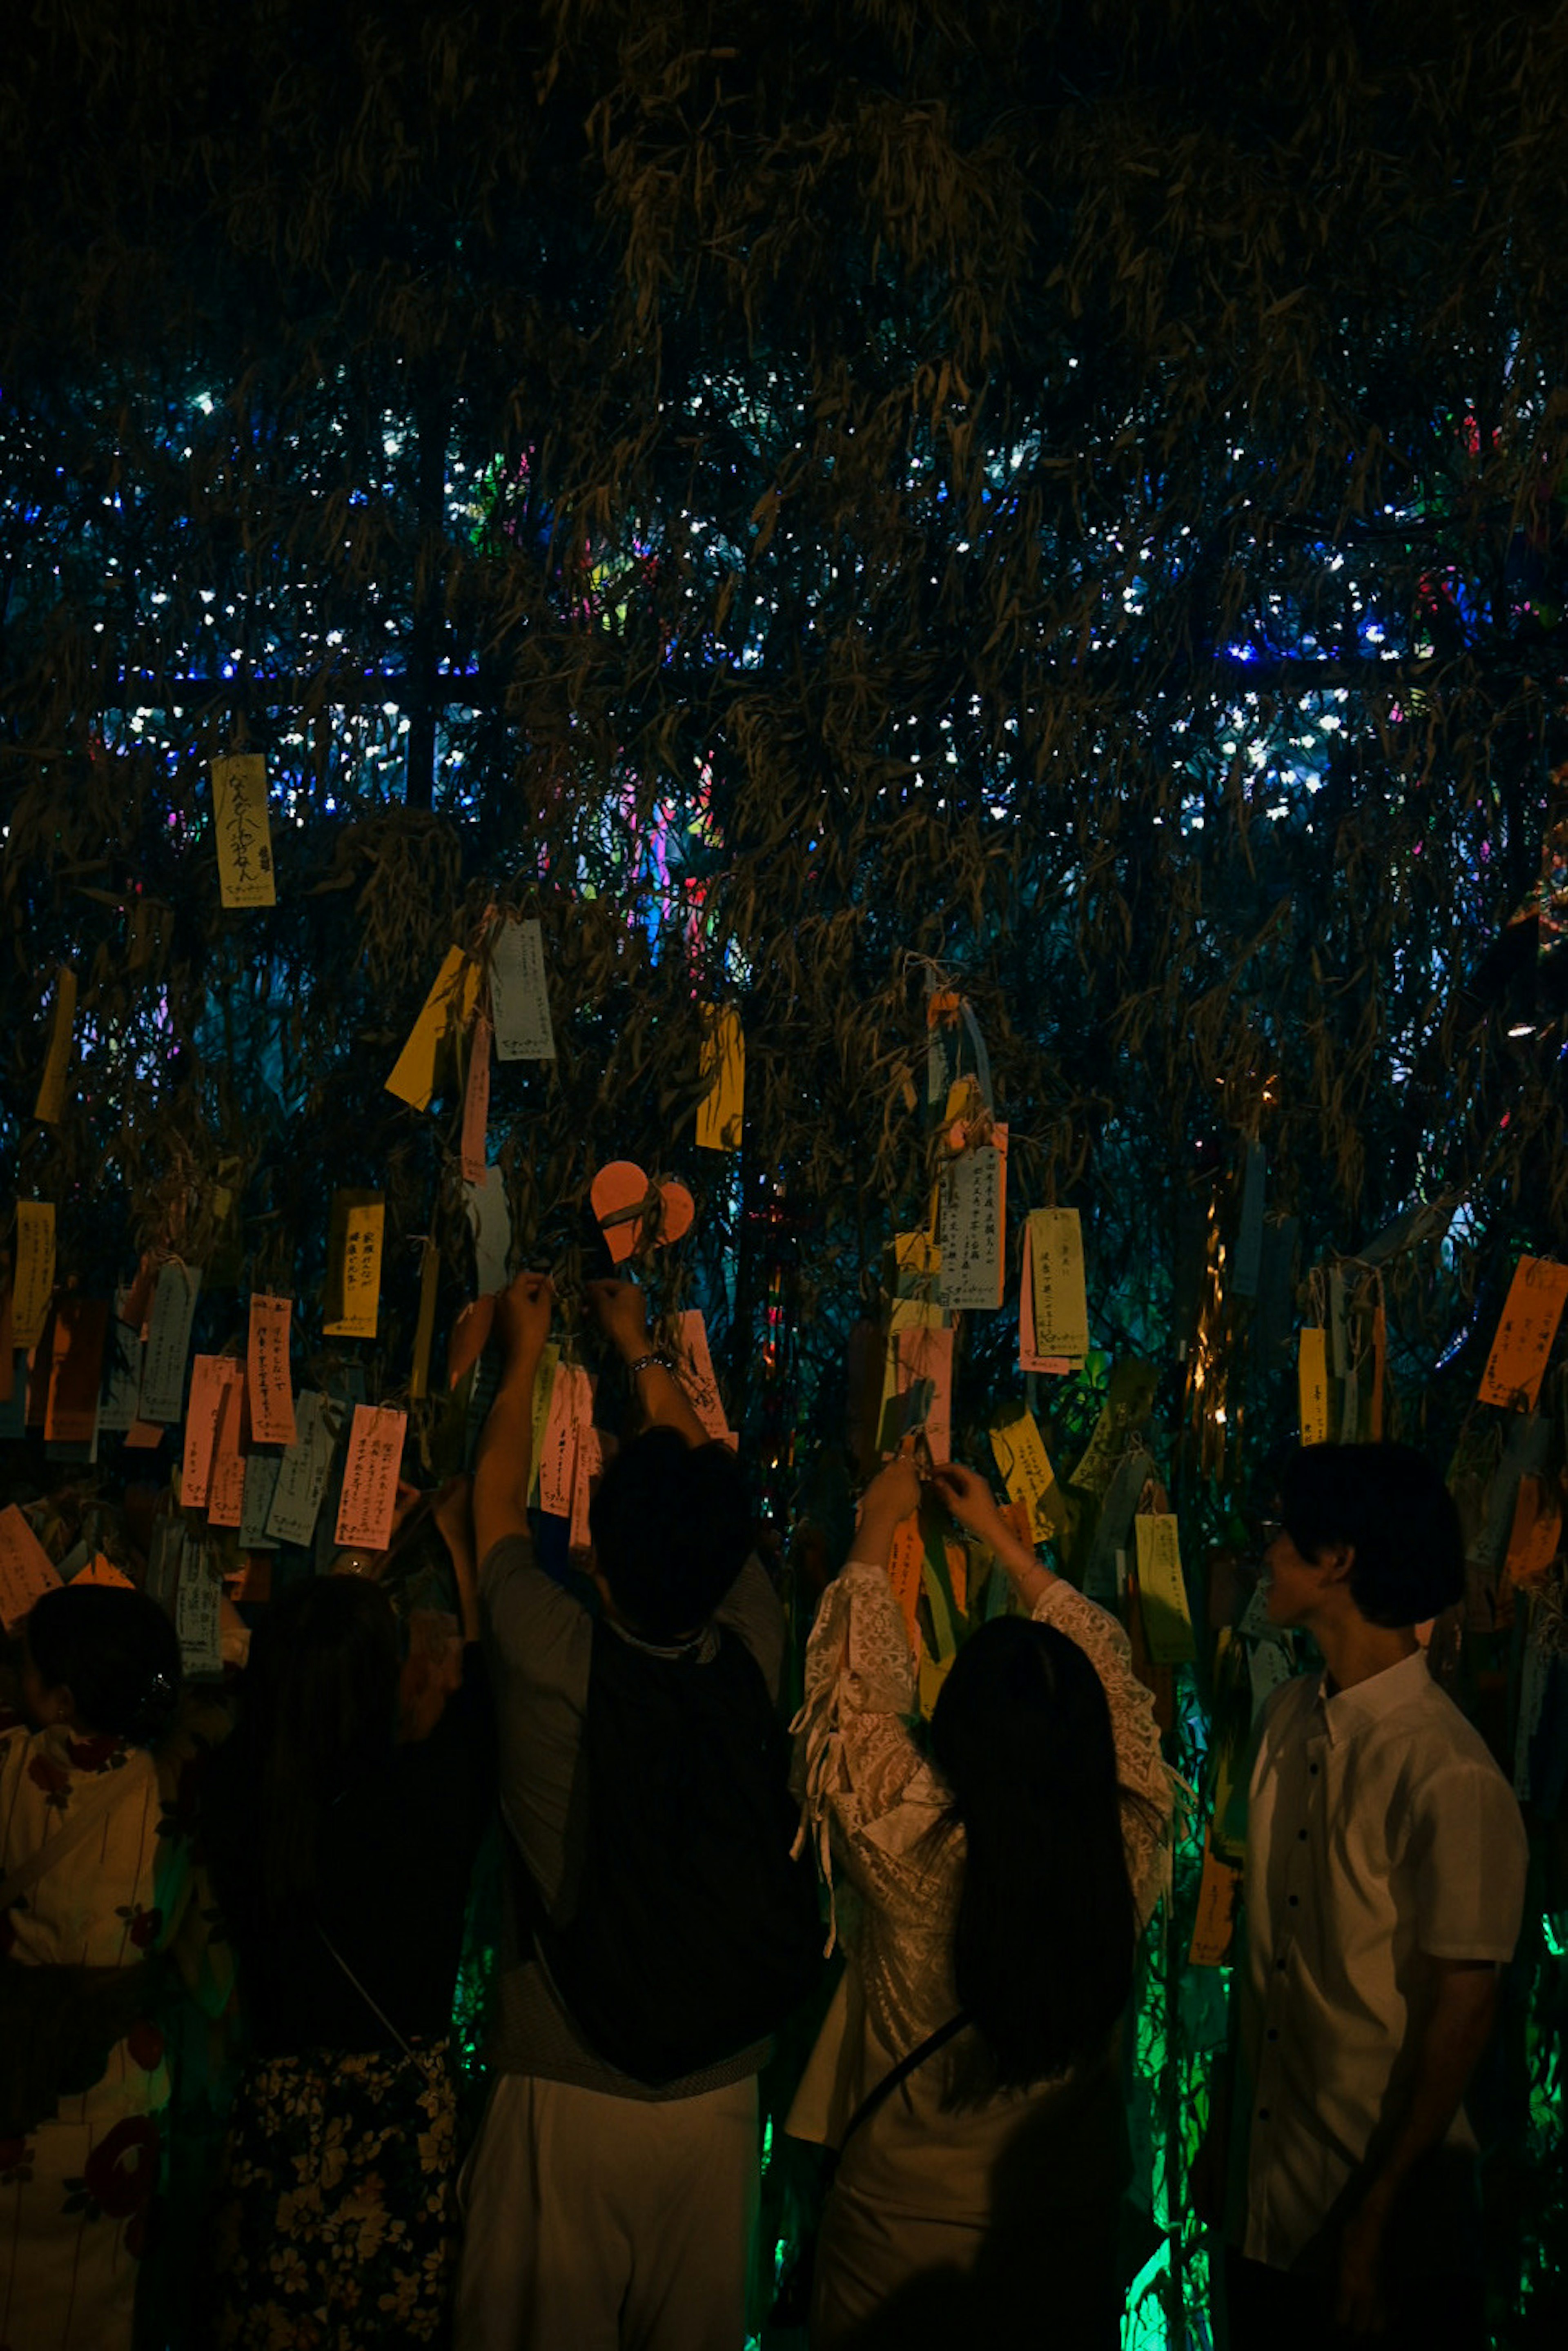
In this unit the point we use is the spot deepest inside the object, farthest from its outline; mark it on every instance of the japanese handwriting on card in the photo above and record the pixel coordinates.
(697, 1375)
(33, 1283)
(519, 1000)
(50, 1107)
(722, 1109)
(354, 1271)
(26, 1571)
(1027, 1473)
(370, 1477)
(973, 1218)
(1218, 1894)
(1162, 1588)
(268, 1375)
(303, 1472)
(169, 1342)
(1523, 1347)
(1060, 1298)
(212, 1376)
(76, 1370)
(454, 993)
(905, 1573)
(243, 827)
(589, 1464)
(198, 1622)
(558, 1447)
(476, 1102)
(1312, 1386)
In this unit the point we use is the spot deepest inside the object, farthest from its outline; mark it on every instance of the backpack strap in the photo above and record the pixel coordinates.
(900, 2073)
(85, 1815)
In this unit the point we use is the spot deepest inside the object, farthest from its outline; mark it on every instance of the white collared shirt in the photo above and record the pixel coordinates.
(1379, 1830)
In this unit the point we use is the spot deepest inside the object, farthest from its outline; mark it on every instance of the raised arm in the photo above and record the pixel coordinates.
(454, 1516)
(503, 1466)
(1147, 1787)
(621, 1311)
(975, 1506)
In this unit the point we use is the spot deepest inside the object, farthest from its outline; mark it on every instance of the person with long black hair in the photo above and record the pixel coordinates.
(998, 1879)
(341, 1843)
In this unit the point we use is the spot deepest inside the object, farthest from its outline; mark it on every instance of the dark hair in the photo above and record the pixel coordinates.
(116, 1652)
(1388, 1503)
(671, 1525)
(1047, 1932)
(318, 1707)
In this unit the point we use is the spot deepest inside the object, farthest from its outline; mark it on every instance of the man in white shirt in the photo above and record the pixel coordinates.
(1384, 1887)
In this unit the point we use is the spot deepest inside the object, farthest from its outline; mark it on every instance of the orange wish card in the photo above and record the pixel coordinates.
(1523, 1347)
(26, 1570)
(212, 1376)
(370, 1477)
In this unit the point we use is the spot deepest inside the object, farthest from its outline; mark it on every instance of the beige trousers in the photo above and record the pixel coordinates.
(597, 2223)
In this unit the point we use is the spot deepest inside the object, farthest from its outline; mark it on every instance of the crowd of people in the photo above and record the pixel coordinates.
(677, 1869)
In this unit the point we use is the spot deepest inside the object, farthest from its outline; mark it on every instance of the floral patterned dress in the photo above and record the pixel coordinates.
(74, 2193)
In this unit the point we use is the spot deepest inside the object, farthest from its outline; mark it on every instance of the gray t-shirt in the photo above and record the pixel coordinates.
(539, 1642)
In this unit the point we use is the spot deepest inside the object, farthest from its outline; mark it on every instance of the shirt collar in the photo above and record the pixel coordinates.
(1353, 1709)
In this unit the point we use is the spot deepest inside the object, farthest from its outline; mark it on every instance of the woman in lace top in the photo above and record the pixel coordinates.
(1002, 1873)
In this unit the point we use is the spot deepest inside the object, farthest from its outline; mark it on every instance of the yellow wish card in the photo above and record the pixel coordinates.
(50, 1107)
(722, 1108)
(1312, 1386)
(242, 825)
(354, 1265)
(1060, 1299)
(452, 999)
(1162, 1589)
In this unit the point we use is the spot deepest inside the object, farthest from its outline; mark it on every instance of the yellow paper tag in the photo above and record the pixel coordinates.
(1312, 1386)
(1523, 1342)
(1027, 1472)
(1060, 1299)
(354, 1277)
(34, 1280)
(721, 1109)
(51, 1103)
(453, 996)
(543, 1388)
(242, 830)
(1162, 1588)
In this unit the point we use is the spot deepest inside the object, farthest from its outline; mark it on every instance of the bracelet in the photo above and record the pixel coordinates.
(646, 1362)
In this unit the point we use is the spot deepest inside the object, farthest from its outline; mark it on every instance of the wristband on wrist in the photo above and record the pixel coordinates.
(645, 1363)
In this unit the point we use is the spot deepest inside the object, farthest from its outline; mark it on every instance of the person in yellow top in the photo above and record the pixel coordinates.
(97, 1882)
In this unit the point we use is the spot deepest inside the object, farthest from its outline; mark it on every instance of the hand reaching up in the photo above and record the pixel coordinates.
(620, 1310)
(969, 1497)
(523, 1313)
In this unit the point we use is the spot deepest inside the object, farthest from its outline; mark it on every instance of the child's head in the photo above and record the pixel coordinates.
(103, 1660)
(1386, 1510)
(671, 1526)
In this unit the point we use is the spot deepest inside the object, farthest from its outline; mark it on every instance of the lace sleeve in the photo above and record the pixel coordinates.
(1149, 1787)
(867, 1793)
